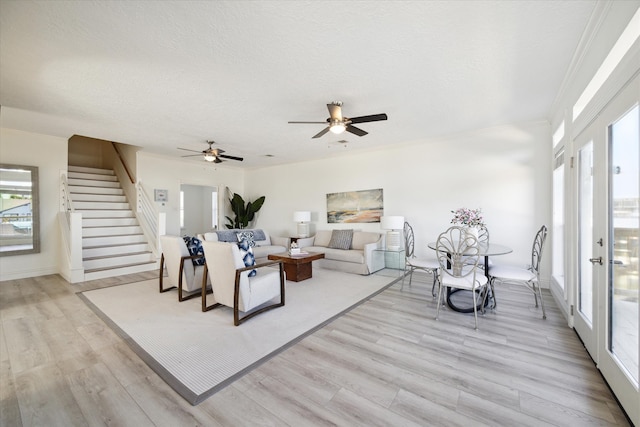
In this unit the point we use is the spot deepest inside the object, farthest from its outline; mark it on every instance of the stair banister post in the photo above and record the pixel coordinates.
(75, 240)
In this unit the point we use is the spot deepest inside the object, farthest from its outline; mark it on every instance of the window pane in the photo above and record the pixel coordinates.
(557, 267)
(625, 216)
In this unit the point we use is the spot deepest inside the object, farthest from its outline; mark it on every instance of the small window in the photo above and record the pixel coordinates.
(628, 37)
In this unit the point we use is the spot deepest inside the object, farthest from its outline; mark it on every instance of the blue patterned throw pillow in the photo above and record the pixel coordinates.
(194, 245)
(248, 236)
(246, 252)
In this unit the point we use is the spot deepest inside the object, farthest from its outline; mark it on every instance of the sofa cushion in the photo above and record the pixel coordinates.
(194, 246)
(264, 251)
(322, 238)
(341, 239)
(246, 252)
(362, 238)
(351, 255)
(246, 235)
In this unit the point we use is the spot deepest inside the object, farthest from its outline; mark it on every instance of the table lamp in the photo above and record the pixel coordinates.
(393, 224)
(302, 218)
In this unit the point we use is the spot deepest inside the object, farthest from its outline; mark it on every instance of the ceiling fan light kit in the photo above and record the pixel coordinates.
(338, 123)
(337, 127)
(212, 155)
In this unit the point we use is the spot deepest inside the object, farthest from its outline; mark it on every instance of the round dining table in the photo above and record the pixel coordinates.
(485, 250)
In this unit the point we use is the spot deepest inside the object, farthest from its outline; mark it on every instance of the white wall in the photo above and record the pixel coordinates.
(49, 154)
(504, 170)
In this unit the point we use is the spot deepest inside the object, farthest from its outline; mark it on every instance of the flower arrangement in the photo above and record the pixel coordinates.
(468, 217)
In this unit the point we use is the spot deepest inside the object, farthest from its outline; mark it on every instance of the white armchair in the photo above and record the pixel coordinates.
(232, 285)
(181, 272)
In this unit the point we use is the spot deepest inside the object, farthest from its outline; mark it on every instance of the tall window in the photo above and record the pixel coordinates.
(557, 234)
(557, 262)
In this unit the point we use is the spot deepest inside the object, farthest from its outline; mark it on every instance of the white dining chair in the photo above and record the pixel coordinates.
(528, 276)
(413, 263)
(458, 257)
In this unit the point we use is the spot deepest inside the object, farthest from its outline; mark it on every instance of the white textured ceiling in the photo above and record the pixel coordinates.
(167, 74)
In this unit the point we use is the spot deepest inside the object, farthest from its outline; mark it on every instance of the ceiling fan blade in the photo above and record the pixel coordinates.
(224, 156)
(310, 123)
(356, 131)
(322, 132)
(370, 118)
(193, 155)
(335, 111)
(186, 149)
(217, 160)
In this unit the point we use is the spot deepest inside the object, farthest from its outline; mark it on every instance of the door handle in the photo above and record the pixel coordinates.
(596, 260)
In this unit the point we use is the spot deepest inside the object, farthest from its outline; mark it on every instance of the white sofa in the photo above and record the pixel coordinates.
(264, 244)
(360, 258)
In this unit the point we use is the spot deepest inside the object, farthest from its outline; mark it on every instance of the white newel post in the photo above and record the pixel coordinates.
(75, 241)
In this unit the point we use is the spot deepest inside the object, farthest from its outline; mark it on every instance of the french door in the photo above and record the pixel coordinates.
(590, 241)
(607, 182)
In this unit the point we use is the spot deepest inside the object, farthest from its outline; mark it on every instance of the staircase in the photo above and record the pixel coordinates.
(113, 243)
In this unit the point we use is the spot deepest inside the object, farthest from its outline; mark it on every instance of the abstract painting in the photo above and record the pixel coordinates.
(355, 206)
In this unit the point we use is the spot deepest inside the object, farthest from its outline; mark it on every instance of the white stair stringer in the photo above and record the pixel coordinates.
(113, 243)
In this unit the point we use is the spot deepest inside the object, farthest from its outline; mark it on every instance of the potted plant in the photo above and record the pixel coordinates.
(244, 213)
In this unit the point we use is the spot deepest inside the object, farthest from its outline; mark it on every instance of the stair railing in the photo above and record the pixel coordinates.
(152, 222)
(145, 211)
(66, 202)
(71, 230)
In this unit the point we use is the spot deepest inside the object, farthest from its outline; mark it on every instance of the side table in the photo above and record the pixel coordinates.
(393, 258)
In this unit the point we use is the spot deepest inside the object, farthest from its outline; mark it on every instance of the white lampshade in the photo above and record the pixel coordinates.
(302, 216)
(392, 222)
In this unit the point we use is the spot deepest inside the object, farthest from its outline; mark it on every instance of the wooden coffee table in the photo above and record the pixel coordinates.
(297, 267)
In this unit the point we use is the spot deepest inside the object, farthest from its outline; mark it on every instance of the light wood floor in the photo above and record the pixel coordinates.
(386, 363)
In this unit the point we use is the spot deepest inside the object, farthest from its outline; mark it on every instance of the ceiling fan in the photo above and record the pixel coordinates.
(212, 154)
(338, 123)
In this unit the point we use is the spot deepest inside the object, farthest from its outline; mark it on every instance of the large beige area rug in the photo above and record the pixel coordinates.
(199, 353)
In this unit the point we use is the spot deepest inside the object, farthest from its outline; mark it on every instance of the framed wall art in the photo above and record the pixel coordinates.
(355, 206)
(161, 195)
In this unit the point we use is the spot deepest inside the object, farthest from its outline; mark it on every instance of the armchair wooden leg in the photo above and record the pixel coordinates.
(180, 297)
(161, 276)
(204, 292)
